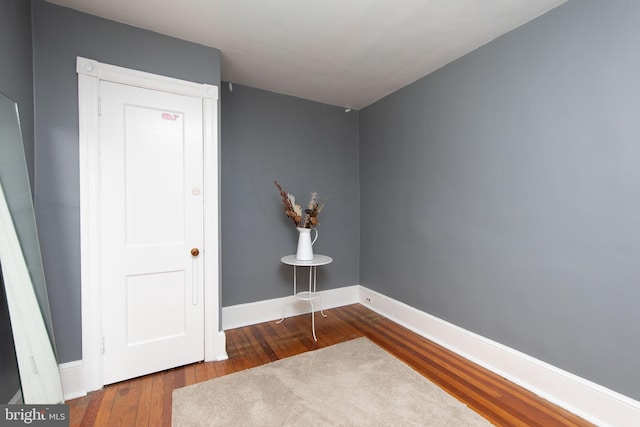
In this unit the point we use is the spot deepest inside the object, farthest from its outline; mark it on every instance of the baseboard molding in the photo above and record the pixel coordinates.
(237, 316)
(72, 373)
(221, 347)
(593, 402)
(597, 404)
(72, 377)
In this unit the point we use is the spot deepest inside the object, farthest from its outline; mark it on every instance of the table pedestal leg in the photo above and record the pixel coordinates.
(312, 274)
(314, 290)
(313, 321)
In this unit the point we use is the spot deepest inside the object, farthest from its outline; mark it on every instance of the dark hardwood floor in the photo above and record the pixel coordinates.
(146, 401)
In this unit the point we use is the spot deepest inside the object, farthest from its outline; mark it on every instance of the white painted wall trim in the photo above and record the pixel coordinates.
(589, 400)
(72, 373)
(90, 73)
(237, 316)
(73, 384)
(219, 350)
(73, 380)
(584, 398)
(113, 73)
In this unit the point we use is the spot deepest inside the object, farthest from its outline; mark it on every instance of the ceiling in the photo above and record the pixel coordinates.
(348, 53)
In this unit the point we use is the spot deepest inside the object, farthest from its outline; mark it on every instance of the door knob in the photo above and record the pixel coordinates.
(195, 252)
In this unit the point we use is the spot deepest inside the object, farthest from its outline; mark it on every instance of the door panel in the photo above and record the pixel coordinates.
(155, 296)
(152, 215)
(154, 168)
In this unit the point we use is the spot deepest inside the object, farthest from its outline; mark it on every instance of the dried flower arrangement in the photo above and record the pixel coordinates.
(303, 219)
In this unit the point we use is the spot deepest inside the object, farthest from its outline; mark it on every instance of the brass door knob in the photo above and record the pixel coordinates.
(195, 252)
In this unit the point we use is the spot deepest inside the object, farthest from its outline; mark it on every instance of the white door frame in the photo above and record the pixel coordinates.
(90, 73)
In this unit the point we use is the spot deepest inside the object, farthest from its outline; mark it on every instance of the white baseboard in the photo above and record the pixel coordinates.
(584, 398)
(72, 373)
(72, 377)
(597, 404)
(221, 347)
(240, 315)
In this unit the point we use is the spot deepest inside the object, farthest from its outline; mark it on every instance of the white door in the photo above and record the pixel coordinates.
(151, 155)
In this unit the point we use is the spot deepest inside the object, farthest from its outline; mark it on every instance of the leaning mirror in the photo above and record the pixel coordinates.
(22, 271)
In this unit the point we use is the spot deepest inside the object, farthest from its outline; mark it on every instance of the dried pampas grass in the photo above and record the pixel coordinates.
(306, 219)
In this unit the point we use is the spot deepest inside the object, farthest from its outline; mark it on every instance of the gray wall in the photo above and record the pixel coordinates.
(16, 76)
(306, 146)
(499, 193)
(502, 192)
(59, 35)
(16, 83)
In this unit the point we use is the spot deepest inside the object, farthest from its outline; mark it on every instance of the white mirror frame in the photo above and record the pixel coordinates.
(39, 372)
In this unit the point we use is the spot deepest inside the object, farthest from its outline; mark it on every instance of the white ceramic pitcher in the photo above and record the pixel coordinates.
(305, 244)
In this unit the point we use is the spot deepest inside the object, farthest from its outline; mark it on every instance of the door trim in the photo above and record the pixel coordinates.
(90, 73)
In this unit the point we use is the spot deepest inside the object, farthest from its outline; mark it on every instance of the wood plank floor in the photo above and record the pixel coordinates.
(146, 401)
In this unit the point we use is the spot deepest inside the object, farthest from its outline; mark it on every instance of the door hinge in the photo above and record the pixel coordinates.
(99, 106)
(101, 345)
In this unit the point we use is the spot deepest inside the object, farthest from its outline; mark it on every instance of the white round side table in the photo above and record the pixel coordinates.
(311, 294)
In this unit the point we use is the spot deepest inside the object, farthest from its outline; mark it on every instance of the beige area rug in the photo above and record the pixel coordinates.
(355, 383)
